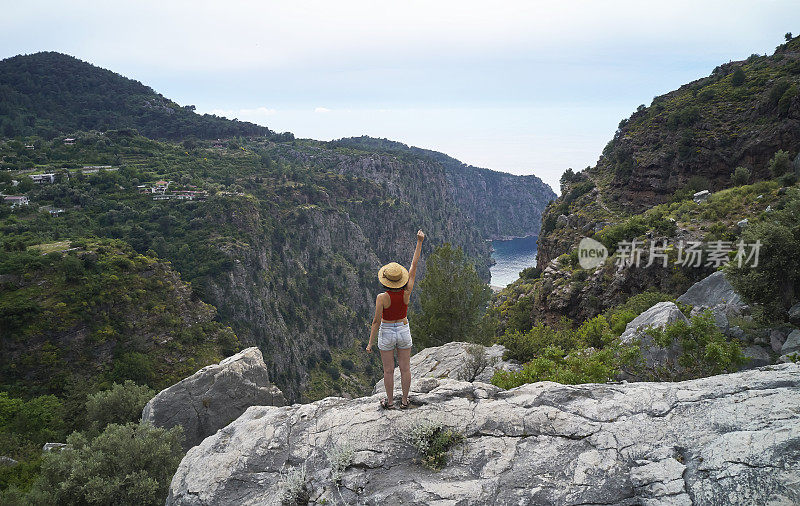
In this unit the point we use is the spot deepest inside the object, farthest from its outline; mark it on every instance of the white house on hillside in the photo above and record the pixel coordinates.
(43, 178)
(15, 200)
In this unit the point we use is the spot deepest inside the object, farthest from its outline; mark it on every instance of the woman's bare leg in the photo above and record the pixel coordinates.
(404, 361)
(387, 357)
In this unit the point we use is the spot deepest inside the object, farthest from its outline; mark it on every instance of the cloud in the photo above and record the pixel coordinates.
(245, 114)
(258, 111)
(321, 109)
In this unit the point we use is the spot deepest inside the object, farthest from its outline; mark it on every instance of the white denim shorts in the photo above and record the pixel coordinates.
(394, 335)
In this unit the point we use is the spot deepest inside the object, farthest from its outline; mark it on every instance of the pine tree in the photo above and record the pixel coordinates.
(453, 300)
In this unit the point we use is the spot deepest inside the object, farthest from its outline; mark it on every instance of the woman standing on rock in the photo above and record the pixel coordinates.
(390, 324)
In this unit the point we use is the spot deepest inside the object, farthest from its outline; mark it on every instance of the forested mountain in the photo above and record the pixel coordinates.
(50, 94)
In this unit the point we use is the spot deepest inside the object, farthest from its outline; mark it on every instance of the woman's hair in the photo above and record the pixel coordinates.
(395, 289)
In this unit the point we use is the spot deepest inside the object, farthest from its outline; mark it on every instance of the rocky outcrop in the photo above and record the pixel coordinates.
(456, 360)
(214, 396)
(792, 344)
(714, 293)
(658, 316)
(730, 439)
(711, 291)
(794, 312)
(7, 461)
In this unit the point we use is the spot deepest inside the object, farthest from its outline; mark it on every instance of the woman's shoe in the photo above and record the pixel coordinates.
(385, 404)
(405, 405)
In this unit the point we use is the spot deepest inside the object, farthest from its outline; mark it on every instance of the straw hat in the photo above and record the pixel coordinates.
(393, 275)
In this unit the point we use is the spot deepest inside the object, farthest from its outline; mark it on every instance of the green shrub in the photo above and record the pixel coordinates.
(523, 346)
(619, 320)
(348, 364)
(452, 299)
(433, 440)
(333, 371)
(629, 229)
(683, 117)
(738, 77)
(705, 351)
(125, 464)
(595, 332)
(740, 176)
(780, 163)
(119, 404)
(530, 273)
(38, 420)
(580, 366)
(134, 366)
(775, 282)
(786, 100)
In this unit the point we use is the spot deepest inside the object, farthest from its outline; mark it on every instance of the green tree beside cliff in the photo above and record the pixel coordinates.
(453, 300)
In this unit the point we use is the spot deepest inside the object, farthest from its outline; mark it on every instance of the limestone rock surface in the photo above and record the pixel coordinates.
(214, 396)
(729, 439)
(456, 360)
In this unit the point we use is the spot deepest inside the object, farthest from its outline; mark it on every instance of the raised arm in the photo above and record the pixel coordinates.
(412, 272)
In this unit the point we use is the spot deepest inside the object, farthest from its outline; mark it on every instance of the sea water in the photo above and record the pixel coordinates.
(511, 257)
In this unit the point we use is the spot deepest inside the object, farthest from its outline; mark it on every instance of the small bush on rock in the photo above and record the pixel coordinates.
(476, 362)
(292, 487)
(340, 456)
(433, 440)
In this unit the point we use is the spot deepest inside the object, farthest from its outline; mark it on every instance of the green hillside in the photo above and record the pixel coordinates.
(50, 94)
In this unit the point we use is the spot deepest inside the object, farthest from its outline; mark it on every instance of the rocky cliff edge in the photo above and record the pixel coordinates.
(729, 439)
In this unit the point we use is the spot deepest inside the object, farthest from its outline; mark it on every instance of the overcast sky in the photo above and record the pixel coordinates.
(524, 87)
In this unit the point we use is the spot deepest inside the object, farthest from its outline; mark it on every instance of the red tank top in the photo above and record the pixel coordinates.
(398, 309)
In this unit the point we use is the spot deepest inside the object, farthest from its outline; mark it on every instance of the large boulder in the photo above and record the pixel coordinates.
(776, 339)
(711, 291)
(658, 316)
(729, 439)
(214, 396)
(756, 356)
(456, 360)
(794, 313)
(792, 344)
(716, 294)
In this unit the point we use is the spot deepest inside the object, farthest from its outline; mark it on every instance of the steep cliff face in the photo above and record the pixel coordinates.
(304, 284)
(724, 439)
(689, 139)
(500, 205)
